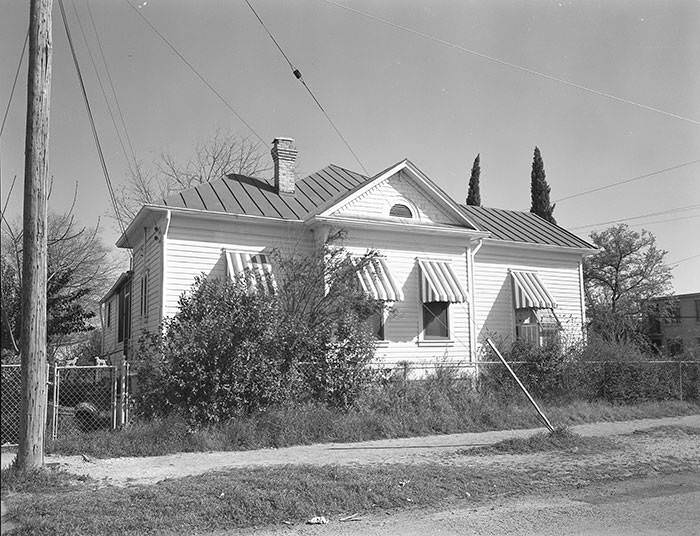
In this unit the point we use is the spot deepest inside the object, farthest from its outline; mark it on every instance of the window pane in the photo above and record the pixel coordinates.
(435, 320)
(400, 211)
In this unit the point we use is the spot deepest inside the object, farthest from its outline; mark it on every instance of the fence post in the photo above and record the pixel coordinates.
(113, 401)
(57, 399)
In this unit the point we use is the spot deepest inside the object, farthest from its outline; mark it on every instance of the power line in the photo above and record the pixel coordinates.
(298, 76)
(195, 71)
(99, 81)
(14, 82)
(111, 84)
(546, 76)
(641, 216)
(91, 118)
(625, 181)
(676, 263)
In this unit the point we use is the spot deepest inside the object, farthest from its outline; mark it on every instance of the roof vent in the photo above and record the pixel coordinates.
(284, 157)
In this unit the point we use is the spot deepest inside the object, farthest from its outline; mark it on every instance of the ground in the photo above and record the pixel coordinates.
(667, 504)
(619, 478)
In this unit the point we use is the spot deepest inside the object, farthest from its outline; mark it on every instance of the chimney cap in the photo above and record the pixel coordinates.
(282, 138)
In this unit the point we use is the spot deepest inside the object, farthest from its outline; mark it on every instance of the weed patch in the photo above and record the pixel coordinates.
(417, 410)
(561, 439)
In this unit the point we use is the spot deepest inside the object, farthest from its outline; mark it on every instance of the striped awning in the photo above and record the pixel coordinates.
(376, 280)
(529, 292)
(256, 271)
(439, 283)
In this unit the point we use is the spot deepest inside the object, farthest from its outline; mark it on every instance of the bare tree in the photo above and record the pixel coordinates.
(223, 154)
(80, 270)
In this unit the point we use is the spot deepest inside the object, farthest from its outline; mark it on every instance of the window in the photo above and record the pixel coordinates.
(697, 310)
(376, 325)
(109, 312)
(124, 314)
(144, 295)
(539, 327)
(675, 346)
(400, 211)
(435, 321)
(674, 314)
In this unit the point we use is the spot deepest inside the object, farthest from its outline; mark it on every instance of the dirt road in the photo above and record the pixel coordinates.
(666, 504)
(438, 448)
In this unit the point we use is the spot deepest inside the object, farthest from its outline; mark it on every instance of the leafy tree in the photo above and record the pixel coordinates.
(539, 190)
(474, 194)
(222, 154)
(622, 278)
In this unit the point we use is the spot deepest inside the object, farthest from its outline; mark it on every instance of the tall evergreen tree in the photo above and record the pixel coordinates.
(539, 189)
(474, 194)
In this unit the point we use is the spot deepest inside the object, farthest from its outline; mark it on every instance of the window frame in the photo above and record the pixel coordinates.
(401, 207)
(545, 335)
(447, 324)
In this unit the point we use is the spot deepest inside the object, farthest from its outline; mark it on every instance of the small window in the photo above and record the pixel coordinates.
(144, 295)
(675, 346)
(109, 312)
(400, 211)
(435, 321)
(539, 327)
(697, 310)
(376, 325)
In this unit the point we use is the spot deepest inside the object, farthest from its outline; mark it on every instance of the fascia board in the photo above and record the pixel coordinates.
(209, 214)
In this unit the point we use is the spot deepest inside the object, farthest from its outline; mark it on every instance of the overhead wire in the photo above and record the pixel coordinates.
(91, 118)
(298, 76)
(641, 216)
(102, 89)
(111, 85)
(14, 82)
(626, 181)
(194, 70)
(676, 263)
(499, 61)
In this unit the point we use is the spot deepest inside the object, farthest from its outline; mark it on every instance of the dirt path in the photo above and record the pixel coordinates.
(440, 448)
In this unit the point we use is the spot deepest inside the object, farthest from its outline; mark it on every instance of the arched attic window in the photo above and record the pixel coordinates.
(400, 211)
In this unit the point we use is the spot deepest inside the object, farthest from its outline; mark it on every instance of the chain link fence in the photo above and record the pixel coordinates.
(79, 399)
(11, 382)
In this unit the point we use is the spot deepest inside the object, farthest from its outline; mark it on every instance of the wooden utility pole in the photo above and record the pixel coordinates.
(30, 453)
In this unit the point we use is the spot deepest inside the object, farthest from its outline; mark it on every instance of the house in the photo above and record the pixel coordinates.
(678, 330)
(455, 274)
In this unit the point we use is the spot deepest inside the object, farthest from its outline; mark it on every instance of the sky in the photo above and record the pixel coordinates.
(393, 93)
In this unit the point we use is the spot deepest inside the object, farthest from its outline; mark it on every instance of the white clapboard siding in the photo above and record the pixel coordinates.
(194, 247)
(403, 323)
(147, 261)
(494, 310)
(376, 202)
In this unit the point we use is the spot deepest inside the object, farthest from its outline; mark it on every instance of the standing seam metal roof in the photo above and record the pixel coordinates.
(238, 194)
(517, 226)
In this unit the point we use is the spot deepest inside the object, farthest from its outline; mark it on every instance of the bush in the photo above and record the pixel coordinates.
(228, 352)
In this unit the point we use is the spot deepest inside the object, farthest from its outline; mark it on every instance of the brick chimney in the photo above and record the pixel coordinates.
(284, 157)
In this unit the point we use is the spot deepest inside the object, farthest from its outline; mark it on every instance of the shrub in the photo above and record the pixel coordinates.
(228, 352)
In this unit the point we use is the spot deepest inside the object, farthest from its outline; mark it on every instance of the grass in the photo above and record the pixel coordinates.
(561, 439)
(39, 481)
(237, 499)
(417, 412)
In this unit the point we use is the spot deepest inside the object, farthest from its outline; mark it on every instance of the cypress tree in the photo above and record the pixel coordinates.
(539, 190)
(474, 194)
